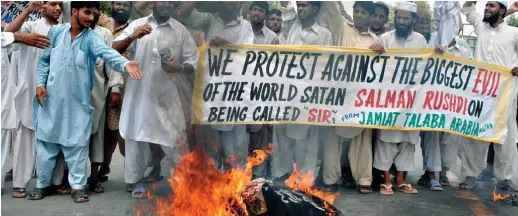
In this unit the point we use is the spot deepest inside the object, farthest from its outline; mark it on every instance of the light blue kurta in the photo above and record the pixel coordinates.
(66, 69)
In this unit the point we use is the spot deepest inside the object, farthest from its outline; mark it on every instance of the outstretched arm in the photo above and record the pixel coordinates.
(112, 58)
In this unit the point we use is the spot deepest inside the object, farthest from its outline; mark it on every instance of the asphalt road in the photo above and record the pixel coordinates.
(115, 201)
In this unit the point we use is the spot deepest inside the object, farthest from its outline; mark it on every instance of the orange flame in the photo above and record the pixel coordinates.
(200, 189)
(498, 197)
(304, 182)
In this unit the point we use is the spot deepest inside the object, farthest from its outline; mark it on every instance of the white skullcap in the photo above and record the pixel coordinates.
(505, 3)
(407, 6)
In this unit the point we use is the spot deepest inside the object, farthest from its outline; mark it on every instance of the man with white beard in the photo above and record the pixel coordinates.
(299, 143)
(393, 146)
(497, 44)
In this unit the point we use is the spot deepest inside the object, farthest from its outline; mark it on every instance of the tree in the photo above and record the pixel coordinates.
(512, 21)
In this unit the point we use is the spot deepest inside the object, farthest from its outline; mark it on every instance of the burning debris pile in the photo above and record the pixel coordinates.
(508, 198)
(200, 189)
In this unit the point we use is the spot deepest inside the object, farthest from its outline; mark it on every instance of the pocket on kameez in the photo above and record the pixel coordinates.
(81, 60)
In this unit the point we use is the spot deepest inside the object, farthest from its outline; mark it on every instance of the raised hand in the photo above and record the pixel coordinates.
(512, 8)
(35, 6)
(32, 39)
(41, 93)
(133, 70)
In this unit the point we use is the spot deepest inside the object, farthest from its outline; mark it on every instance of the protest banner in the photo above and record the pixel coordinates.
(11, 9)
(401, 89)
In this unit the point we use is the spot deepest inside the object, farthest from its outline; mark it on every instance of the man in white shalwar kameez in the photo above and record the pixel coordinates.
(440, 148)
(222, 25)
(104, 79)
(497, 44)
(298, 143)
(8, 111)
(24, 148)
(393, 146)
(353, 35)
(8, 86)
(152, 111)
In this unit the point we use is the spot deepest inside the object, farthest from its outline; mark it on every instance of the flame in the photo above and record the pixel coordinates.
(498, 197)
(199, 188)
(304, 182)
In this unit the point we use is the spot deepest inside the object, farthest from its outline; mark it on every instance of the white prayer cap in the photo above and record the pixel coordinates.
(407, 6)
(505, 3)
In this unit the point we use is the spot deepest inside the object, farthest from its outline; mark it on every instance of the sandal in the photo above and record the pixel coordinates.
(506, 185)
(434, 185)
(8, 177)
(139, 188)
(365, 189)
(445, 181)
(97, 188)
(469, 183)
(38, 194)
(130, 187)
(406, 188)
(78, 194)
(349, 185)
(60, 190)
(386, 190)
(154, 175)
(153, 179)
(101, 179)
(422, 180)
(19, 193)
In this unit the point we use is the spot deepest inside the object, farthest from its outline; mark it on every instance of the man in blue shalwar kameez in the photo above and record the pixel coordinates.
(64, 79)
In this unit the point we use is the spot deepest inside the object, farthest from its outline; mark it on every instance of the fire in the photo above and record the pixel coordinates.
(304, 182)
(498, 197)
(200, 189)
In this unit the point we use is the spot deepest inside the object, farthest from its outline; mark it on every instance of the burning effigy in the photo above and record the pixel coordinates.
(200, 189)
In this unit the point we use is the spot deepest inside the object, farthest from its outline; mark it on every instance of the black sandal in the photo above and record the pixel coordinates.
(78, 194)
(365, 189)
(60, 190)
(21, 191)
(38, 194)
(97, 188)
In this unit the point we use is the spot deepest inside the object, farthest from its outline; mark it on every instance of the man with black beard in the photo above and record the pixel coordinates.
(121, 11)
(274, 21)
(257, 14)
(497, 44)
(393, 146)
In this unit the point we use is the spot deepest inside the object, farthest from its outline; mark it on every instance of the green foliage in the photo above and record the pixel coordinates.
(106, 7)
(513, 21)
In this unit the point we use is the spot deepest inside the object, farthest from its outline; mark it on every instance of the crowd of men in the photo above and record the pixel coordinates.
(67, 97)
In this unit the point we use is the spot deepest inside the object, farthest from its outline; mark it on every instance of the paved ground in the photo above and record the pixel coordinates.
(115, 201)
